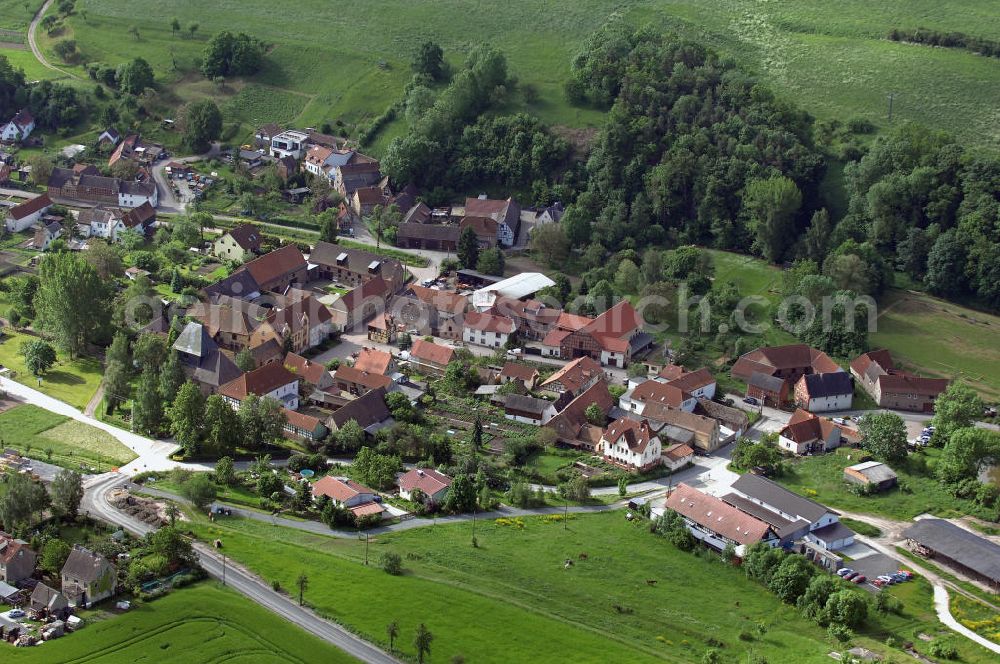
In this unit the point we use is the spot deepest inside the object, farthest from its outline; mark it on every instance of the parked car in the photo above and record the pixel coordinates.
(899, 578)
(838, 420)
(860, 578)
(878, 583)
(886, 579)
(852, 575)
(905, 572)
(844, 571)
(15, 613)
(750, 400)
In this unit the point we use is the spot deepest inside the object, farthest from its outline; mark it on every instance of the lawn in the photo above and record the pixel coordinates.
(201, 623)
(938, 338)
(834, 61)
(72, 443)
(15, 15)
(628, 596)
(73, 381)
(821, 478)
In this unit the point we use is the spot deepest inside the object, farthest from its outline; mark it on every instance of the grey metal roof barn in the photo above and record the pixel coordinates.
(973, 554)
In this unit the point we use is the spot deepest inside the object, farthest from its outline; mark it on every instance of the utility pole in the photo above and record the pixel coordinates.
(892, 95)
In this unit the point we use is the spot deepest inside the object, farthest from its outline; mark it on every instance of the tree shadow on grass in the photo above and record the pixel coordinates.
(63, 378)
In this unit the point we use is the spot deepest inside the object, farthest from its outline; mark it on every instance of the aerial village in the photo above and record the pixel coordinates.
(390, 392)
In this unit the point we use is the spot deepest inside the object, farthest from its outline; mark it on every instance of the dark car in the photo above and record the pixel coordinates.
(750, 400)
(860, 578)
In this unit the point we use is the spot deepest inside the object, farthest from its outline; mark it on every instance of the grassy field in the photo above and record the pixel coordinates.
(939, 338)
(833, 60)
(202, 623)
(821, 478)
(513, 599)
(72, 381)
(17, 14)
(71, 442)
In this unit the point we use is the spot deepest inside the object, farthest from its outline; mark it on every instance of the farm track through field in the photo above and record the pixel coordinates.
(37, 52)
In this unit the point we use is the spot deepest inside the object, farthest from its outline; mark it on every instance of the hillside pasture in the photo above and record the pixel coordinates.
(351, 59)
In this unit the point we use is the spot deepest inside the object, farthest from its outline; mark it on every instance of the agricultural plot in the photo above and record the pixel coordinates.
(204, 623)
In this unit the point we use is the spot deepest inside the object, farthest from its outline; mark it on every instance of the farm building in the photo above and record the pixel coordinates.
(944, 542)
(872, 474)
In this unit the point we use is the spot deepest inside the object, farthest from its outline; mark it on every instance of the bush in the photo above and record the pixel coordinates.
(840, 633)
(943, 648)
(392, 563)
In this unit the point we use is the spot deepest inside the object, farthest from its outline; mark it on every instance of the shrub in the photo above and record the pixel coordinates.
(840, 633)
(392, 563)
(944, 648)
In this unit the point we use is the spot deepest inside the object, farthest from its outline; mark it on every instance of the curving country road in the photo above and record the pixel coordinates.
(95, 503)
(32, 28)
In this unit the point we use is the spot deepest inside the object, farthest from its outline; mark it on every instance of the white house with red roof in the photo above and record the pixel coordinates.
(631, 444)
(653, 392)
(357, 498)
(24, 216)
(429, 357)
(271, 380)
(612, 338)
(433, 485)
(489, 330)
(18, 127)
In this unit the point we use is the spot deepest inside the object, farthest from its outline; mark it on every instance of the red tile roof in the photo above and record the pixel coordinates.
(309, 371)
(373, 360)
(276, 264)
(769, 360)
(259, 381)
(11, 546)
(716, 516)
(428, 351)
(880, 357)
(520, 372)
(576, 374)
(637, 434)
(301, 420)
(613, 328)
(489, 323)
(677, 451)
(359, 377)
(910, 384)
(804, 427)
(340, 489)
(427, 480)
(671, 372)
(652, 391)
(694, 380)
(569, 423)
(446, 301)
(30, 206)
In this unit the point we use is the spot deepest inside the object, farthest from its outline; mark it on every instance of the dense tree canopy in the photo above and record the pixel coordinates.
(232, 55)
(687, 133)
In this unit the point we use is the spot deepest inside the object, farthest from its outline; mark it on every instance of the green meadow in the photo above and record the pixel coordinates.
(602, 589)
(349, 60)
(201, 623)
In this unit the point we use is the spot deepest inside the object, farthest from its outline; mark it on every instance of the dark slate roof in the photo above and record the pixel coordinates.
(782, 527)
(765, 382)
(366, 410)
(834, 531)
(976, 553)
(85, 565)
(526, 404)
(194, 340)
(829, 384)
(777, 496)
(239, 285)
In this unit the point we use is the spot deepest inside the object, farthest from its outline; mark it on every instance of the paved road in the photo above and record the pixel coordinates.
(34, 45)
(95, 502)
